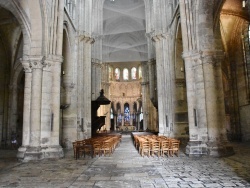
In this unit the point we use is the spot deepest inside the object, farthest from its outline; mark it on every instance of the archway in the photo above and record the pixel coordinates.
(11, 80)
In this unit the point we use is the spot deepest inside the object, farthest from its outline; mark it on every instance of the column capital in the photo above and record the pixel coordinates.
(36, 62)
(51, 60)
(26, 66)
(87, 39)
(160, 36)
(96, 62)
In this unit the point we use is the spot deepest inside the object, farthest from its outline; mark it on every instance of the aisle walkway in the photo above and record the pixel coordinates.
(127, 169)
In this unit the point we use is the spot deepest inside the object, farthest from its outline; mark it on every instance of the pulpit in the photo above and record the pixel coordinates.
(98, 121)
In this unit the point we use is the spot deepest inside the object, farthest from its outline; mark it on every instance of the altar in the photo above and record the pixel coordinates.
(127, 128)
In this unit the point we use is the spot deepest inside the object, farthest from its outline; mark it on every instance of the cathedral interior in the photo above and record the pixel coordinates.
(181, 68)
(73, 69)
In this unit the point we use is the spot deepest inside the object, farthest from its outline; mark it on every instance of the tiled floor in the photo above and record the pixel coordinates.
(127, 169)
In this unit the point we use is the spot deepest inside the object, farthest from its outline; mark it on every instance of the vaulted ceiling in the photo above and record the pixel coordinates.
(124, 31)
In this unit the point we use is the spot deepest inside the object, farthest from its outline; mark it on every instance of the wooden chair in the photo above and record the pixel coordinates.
(97, 148)
(145, 148)
(174, 149)
(155, 147)
(165, 147)
(106, 148)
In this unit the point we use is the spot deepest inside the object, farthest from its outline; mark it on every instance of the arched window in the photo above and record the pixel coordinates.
(111, 114)
(140, 73)
(141, 115)
(125, 74)
(126, 113)
(133, 73)
(110, 73)
(117, 74)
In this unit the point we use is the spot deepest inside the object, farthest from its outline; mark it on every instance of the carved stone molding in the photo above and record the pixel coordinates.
(96, 62)
(26, 66)
(87, 39)
(36, 62)
(160, 37)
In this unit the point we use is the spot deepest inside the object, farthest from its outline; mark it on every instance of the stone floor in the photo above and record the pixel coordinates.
(127, 169)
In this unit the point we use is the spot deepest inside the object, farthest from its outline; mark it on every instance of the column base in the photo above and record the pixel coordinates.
(214, 149)
(28, 153)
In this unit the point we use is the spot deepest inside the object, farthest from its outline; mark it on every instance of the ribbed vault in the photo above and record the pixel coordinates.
(124, 31)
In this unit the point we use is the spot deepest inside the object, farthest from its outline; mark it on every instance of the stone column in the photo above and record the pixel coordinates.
(204, 87)
(87, 41)
(26, 110)
(197, 125)
(36, 98)
(46, 111)
(138, 121)
(33, 150)
(55, 98)
(51, 107)
(151, 79)
(13, 109)
(164, 84)
(96, 78)
(215, 107)
(144, 86)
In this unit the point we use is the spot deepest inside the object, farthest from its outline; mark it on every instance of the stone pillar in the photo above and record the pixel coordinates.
(86, 72)
(115, 121)
(55, 98)
(33, 150)
(151, 79)
(96, 78)
(164, 84)
(13, 109)
(52, 85)
(36, 98)
(204, 87)
(138, 121)
(26, 110)
(215, 107)
(197, 126)
(144, 86)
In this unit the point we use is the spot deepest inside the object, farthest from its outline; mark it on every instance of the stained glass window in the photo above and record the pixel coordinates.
(117, 74)
(125, 74)
(110, 73)
(133, 73)
(126, 113)
(140, 73)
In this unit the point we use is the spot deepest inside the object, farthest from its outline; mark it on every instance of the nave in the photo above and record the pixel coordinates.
(125, 168)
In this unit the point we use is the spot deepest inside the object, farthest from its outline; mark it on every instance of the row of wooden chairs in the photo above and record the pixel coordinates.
(160, 145)
(96, 146)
